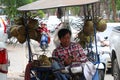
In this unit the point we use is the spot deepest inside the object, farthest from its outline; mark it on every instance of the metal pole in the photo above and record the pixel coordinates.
(27, 36)
(94, 25)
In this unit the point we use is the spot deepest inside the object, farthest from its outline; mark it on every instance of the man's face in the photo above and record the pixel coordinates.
(65, 41)
(43, 25)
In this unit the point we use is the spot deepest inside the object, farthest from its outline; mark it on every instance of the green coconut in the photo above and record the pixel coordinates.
(88, 28)
(44, 60)
(101, 25)
(82, 43)
(19, 21)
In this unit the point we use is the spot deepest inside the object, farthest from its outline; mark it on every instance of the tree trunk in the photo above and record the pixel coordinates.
(114, 10)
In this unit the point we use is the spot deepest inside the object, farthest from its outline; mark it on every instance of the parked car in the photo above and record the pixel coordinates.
(3, 31)
(5, 19)
(107, 50)
(3, 61)
(115, 50)
(3, 51)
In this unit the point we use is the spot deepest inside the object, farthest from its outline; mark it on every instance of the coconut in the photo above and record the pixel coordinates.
(88, 28)
(81, 36)
(82, 43)
(44, 60)
(13, 31)
(33, 23)
(19, 21)
(21, 38)
(21, 29)
(38, 36)
(84, 37)
(101, 25)
(32, 34)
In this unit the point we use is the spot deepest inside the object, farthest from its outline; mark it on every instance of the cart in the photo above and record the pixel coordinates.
(43, 72)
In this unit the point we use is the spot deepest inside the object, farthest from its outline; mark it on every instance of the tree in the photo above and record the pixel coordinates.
(12, 5)
(114, 10)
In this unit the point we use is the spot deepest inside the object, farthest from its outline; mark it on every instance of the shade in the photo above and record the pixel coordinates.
(47, 4)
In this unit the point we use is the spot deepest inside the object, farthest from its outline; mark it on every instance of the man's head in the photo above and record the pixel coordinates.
(43, 24)
(64, 36)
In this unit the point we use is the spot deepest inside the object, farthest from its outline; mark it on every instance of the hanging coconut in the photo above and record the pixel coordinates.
(13, 30)
(82, 43)
(38, 36)
(19, 21)
(21, 38)
(88, 28)
(101, 25)
(21, 29)
(81, 36)
(32, 23)
(32, 34)
(84, 37)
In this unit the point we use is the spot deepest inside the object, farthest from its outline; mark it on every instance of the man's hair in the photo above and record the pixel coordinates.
(63, 32)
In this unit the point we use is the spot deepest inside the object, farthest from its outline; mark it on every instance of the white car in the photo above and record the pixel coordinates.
(115, 51)
(3, 51)
(3, 31)
(3, 62)
(5, 19)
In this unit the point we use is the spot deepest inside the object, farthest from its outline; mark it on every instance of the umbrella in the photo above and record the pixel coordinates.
(47, 4)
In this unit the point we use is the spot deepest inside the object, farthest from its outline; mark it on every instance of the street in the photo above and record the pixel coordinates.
(18, 60)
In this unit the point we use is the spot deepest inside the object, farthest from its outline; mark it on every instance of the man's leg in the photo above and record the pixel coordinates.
(58, 74)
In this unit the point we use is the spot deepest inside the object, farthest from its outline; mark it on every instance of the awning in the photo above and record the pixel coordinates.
(47, 4)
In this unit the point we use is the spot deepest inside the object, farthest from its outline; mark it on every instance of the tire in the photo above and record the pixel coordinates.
(116, 70)
(101, 74)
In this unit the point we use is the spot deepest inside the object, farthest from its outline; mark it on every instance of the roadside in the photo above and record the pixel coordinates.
(15, 76)
(17, 62)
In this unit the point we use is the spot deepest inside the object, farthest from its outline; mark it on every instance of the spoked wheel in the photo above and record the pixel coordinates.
(116, 70)
(29, 74)
(33, 76)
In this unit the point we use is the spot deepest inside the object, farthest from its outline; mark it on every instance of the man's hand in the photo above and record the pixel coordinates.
(68, 61)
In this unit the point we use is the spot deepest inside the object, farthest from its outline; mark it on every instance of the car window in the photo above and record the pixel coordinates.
(118, 28)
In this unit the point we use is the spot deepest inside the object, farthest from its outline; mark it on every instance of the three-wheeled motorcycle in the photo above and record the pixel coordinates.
(37, 69)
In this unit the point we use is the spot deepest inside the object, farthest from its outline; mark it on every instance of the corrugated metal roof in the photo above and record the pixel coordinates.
(47, 4)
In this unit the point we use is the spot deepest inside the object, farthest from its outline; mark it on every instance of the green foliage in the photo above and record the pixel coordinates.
(34, 14)
(41, 13)
(118, 4)
(12, 5)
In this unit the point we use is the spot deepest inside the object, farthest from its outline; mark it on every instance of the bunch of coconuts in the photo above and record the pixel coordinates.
(87, 33)
(19, 31)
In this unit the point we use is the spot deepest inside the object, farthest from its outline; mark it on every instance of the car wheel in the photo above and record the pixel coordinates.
(116, 70)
